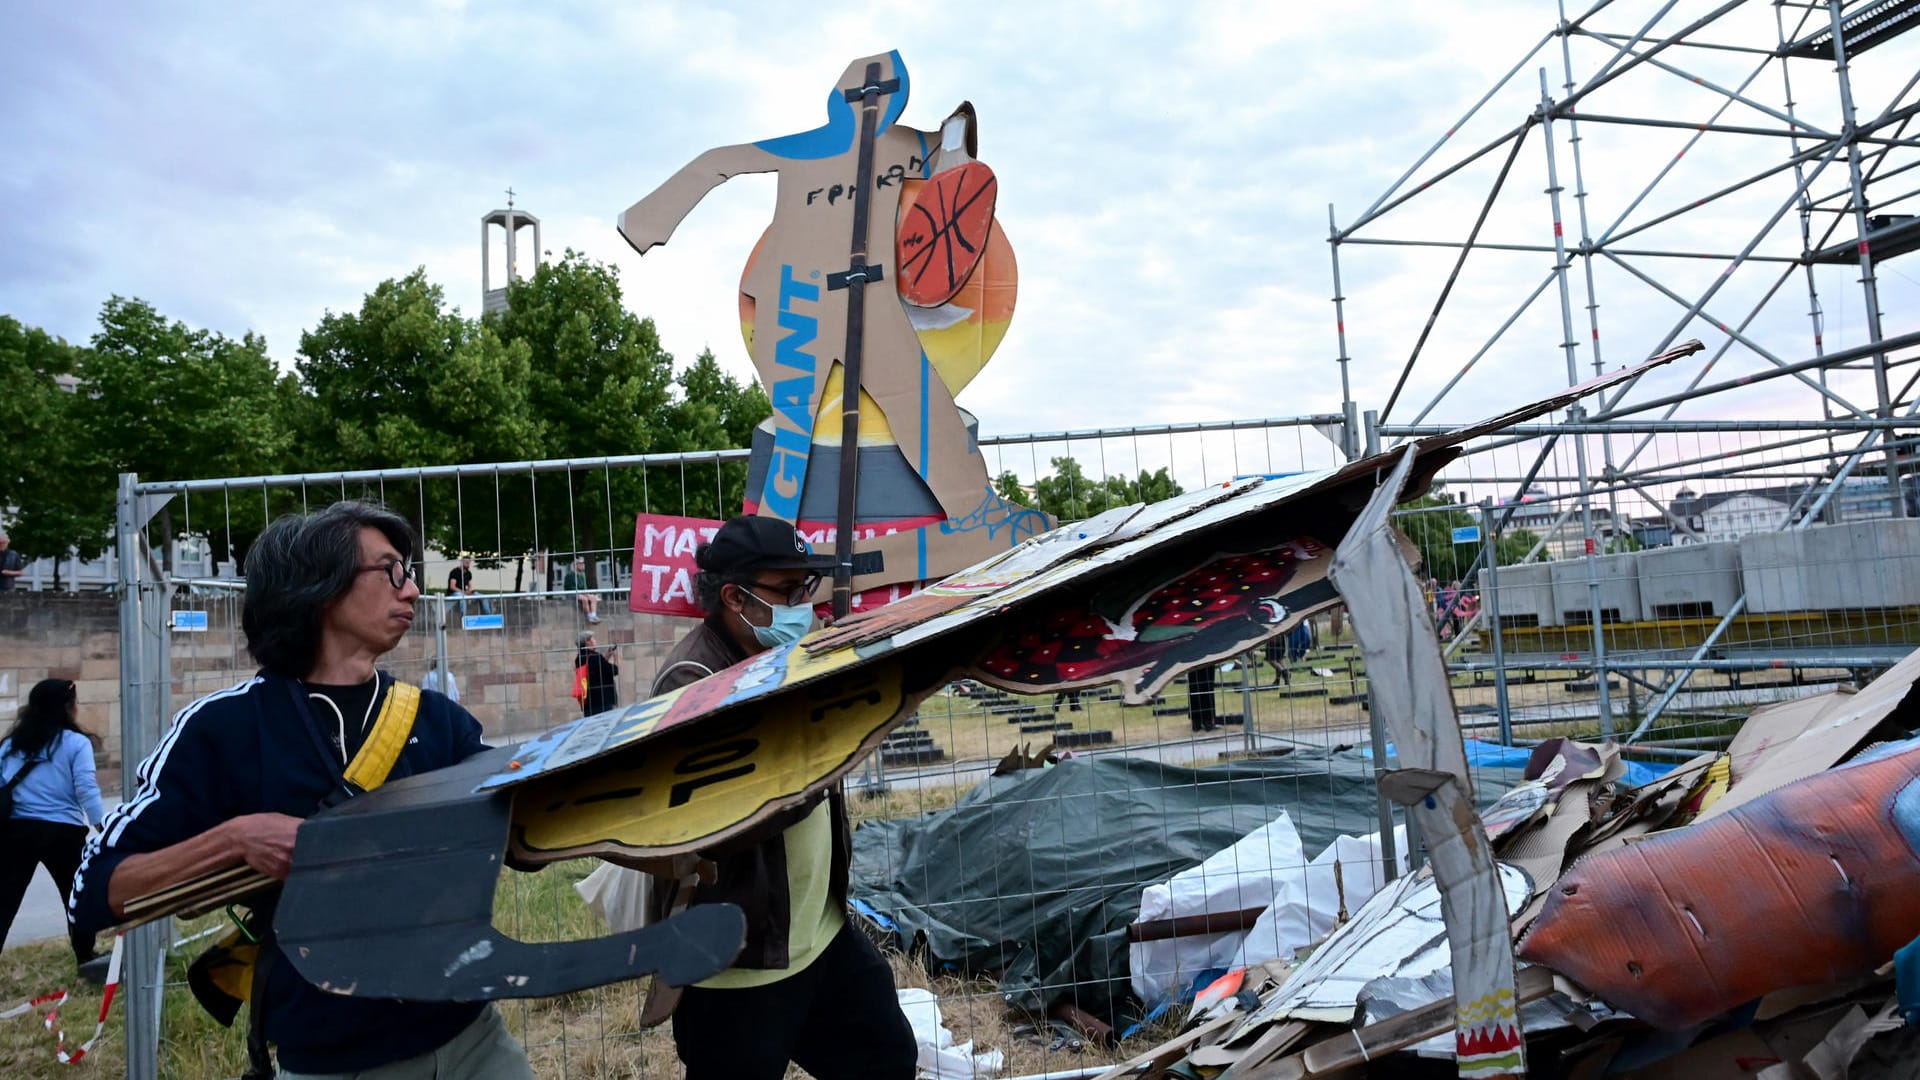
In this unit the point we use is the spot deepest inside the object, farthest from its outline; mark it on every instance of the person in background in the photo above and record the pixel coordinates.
(808, 987)
(1468, 608)
(442, 681)
(602, 692)
(1289, 649)
(11, 564)
(460, 583)
(1200, 684)
(576, 583)
(47, 760)
(1449, 608)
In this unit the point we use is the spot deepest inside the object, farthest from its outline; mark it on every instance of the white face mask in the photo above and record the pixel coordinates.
(790, 622)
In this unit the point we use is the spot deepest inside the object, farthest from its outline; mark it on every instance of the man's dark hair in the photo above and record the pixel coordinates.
(299, 564)
(707, 583)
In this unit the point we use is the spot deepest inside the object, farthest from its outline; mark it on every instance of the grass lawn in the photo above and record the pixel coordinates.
(589, 1034)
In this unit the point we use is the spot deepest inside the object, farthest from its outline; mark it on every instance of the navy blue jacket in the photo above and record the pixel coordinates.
(243, 751)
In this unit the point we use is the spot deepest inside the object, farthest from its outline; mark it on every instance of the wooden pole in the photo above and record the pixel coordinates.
(856, 282)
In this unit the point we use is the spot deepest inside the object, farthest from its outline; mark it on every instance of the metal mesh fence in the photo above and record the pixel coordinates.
(1727, 571)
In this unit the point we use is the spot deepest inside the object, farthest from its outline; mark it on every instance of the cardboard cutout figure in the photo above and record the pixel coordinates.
(695, 767)
(926, 288)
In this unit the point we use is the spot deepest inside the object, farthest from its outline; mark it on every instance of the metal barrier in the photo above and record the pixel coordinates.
(1817, 603)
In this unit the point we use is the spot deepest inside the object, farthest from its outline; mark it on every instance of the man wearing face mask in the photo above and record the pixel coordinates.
(808, 987)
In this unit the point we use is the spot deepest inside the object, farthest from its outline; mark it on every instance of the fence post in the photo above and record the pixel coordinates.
(1249, 730)
(1490, 611)
(143, 698)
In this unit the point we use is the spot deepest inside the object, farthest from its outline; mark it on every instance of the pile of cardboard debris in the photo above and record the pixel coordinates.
(1751, 913)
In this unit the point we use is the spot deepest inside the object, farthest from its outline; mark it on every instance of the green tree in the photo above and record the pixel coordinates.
(711, 410)
(1070, 495)
(407, 381)
(601, 385)
(1007, 485)
(1515, 543)
(45, 463)
(170, 402)
(1428, 523)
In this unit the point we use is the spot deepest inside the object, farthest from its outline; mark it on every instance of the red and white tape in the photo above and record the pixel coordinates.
(52, 1002)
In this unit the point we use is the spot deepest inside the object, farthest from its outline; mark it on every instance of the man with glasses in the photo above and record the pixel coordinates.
(808, 987)
(328, 594)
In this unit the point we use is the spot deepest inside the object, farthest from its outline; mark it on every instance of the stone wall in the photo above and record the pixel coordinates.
(517, 681)
(59, 636)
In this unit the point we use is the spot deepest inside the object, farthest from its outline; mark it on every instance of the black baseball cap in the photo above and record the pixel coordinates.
(750, 542)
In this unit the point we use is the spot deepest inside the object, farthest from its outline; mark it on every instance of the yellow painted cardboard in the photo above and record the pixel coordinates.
(696, 788)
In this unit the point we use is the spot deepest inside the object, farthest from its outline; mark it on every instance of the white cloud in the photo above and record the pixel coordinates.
(1165, 176)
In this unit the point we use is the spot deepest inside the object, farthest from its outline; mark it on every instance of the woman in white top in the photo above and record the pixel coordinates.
(47, 762)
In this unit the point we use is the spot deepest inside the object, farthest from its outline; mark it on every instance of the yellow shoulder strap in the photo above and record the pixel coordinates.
(388, 738)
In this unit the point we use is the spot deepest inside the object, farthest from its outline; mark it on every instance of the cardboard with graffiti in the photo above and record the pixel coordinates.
(937, 282)
(684, 792)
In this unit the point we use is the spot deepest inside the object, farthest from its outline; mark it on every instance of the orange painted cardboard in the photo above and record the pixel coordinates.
(1813, 883)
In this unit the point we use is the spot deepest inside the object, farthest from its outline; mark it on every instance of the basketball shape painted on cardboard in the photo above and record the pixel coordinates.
(959, 336)
(944, 222)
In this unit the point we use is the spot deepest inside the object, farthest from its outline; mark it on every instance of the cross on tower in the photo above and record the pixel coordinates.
(509, 198)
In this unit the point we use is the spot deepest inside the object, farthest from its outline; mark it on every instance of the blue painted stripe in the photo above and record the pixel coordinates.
(830, 140)
(836, 136)
(926, 373)
(896, 101)
(920, 536)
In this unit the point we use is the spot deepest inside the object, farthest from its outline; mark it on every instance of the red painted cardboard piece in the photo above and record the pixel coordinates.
(943, 233)
(664, 570)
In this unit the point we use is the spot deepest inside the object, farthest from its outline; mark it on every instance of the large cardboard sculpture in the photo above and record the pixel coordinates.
(702, 764)
(1809, 885)
(883, 268)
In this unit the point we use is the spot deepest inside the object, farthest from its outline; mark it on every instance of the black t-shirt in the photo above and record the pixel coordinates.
(9, 560)
(460, 579)
(344, 710)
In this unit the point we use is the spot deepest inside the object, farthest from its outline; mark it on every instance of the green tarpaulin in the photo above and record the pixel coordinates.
(1035, 876)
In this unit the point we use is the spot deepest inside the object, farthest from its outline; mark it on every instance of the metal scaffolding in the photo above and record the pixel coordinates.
(1746, 135)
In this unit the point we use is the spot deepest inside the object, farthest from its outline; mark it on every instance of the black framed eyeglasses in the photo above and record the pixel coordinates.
(398, 573)
(800, 594)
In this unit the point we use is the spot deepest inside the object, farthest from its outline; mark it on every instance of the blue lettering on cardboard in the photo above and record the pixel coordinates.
(792, 398)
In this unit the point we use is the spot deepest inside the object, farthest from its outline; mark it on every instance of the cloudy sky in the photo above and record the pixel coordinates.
(1165, 178)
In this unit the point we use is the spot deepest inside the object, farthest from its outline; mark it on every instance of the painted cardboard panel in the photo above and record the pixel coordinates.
(1793, 740)
(796, 298)
(1144, 636)
(664, 570)
(698, 783)
(591, 737)
(1810, 884)
(351, 921)
(1409, 691)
